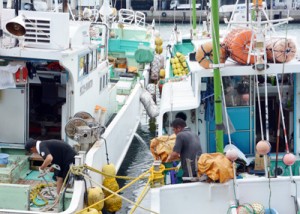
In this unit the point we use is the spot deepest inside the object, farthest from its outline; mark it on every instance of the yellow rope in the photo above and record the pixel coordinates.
(36, 191)
(142, 195)
(109, 175)
(172, 168)
(116, 193)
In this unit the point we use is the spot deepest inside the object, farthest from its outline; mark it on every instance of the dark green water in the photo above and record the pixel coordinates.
(138, 160)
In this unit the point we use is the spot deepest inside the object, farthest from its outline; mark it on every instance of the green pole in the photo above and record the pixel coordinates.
(217, 76)
(194, 15)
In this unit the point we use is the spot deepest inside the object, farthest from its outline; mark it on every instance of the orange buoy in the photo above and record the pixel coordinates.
(230, 35)
(239, 46)
(280, 50)
(204, 54)
(258, 2)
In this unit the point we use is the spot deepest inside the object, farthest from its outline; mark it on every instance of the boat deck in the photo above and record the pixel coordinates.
(18, 178)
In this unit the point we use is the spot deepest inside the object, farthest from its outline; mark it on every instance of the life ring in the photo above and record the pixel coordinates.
(164, 14)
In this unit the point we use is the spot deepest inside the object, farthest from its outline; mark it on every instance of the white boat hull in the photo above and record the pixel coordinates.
(276, 193)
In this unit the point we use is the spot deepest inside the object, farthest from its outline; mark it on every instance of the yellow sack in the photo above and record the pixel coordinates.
(216, 166)
(162, 146)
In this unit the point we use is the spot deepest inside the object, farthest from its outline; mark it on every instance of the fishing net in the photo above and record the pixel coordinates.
(245, 209)
(144, 55)
(148, 103)
(155, 67)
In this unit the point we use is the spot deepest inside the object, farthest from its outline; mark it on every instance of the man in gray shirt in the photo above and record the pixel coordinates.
(187, 146)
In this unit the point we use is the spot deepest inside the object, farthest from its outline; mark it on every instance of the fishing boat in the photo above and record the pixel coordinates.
(244, 110)
(71, 79)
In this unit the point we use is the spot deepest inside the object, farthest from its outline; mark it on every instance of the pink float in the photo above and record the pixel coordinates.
(289, 159)
(232, 154)
(263, 147)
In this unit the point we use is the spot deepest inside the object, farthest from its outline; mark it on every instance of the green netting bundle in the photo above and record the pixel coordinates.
(144, 55)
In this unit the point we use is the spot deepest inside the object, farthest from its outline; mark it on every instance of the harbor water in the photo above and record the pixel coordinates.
(139, 158)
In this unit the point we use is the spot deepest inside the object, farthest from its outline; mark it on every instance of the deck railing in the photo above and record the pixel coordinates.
(127, 16)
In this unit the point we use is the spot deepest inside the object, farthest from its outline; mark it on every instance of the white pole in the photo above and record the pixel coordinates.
(9, 3)
(128, 4)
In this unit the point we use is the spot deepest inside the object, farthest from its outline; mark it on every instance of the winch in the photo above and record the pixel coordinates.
(84, 129)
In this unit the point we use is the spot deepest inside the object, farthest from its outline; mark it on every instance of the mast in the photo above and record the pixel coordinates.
(194, 17)
(217, 76)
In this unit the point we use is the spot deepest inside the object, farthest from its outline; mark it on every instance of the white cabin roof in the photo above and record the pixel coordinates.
(178, 96)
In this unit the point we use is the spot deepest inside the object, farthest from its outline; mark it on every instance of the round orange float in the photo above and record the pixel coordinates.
(280, 50)
(239, 46)
(204, 54)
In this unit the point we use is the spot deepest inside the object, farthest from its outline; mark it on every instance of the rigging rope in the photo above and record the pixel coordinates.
(106, 175)
(60, 193)
(142, 195)
(116, 193)
(259, 108)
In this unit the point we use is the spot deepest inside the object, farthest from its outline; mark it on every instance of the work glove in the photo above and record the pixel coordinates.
(178, 167)
(43, 172)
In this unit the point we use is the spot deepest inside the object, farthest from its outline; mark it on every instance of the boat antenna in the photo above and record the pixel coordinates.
(217, 77)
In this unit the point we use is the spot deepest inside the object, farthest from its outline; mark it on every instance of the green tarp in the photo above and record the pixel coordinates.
(144, 55)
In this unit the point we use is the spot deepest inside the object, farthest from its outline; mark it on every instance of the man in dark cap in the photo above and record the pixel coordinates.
(53, 152)
(187, 146)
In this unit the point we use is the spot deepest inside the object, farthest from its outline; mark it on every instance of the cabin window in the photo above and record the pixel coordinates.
(90, 62)
(95, 59)
(100, 89)
(83, 66)
(104, 81)
(237, 90)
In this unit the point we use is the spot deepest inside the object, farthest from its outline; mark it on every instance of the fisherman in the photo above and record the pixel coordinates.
(187, 146)
(53, 152)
